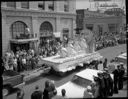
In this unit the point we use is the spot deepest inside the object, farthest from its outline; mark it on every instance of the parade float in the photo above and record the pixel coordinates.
(78, 51)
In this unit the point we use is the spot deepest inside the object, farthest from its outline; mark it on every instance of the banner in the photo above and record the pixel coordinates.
(57, 34)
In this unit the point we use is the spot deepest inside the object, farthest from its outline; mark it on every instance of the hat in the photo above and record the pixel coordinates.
(99, 73)
(36, 87)
(89, 88)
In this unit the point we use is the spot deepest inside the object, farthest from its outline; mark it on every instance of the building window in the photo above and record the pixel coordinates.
(112, 27)
(51, 6)
(66, 6)
(18, 29)
(11, 4)
(41, 6)
(46, 29)
(25, 5)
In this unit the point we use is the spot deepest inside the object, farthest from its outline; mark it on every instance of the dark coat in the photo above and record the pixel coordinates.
(37, 95)
(46, 93)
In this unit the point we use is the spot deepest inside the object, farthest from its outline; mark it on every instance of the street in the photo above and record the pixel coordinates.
(108, 53)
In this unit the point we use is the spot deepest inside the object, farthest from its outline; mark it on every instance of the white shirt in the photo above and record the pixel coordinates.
(24, 61)
(15, 61)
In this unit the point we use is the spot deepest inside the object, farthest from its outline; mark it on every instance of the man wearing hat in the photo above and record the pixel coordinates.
(102, 84)
(37, 94)
(121, 74)
(116, 79)
(110, 82)
(87, 92)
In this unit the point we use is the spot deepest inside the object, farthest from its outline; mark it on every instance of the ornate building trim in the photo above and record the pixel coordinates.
(38, 13)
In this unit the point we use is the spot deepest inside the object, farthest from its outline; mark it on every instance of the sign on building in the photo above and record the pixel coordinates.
(57, 34)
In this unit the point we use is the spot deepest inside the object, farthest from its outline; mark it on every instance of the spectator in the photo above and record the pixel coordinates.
(51, 89)
(46, 90)
(107, 86)
(97, 88)
(110, 82)
(116, 79)
(15, 63)
(63, 91)
(93, 84)
(105, 63)
(20, 94)
(87, 93)
(37, 94)
(102, 84)
(56, 96)
(121, 74)
(24, 62)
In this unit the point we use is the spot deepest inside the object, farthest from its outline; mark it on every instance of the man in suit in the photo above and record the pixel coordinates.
(121, 74)
(116, 79)
(37, 94)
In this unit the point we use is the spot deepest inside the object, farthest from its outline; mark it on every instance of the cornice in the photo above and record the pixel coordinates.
(106, 17)
(37, 13)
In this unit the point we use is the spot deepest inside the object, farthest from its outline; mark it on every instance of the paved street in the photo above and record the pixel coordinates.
(109, 53)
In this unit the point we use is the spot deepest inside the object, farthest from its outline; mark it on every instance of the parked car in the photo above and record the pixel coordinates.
(11, 80)
(75, 88)
(122, 58)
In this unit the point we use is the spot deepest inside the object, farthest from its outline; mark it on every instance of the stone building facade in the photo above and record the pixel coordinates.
(39, 19)
(99, 22)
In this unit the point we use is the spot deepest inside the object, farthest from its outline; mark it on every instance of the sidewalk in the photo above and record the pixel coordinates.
(32, 74)
(123, 92)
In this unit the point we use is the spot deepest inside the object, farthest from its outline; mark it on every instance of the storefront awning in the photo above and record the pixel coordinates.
(23, 40)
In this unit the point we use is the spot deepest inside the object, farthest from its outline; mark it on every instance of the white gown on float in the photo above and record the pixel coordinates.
(70, 49)
(63, 52)
(77, 46)
(84, 45)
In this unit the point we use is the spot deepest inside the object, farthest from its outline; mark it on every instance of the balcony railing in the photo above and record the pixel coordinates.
(26, 36)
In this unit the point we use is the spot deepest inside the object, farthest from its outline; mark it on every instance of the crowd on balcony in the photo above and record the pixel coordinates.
(109, 39)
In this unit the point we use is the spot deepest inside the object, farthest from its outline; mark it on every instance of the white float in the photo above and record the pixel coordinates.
(76, 53)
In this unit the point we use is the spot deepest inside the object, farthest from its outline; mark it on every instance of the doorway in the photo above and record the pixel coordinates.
(19, 46)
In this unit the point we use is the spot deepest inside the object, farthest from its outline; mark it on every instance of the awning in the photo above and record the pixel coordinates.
(23, 40)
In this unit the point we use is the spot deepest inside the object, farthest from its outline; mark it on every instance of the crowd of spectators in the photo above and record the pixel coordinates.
(109, 39)
(21, 60)
(48, 50)
(49, 92)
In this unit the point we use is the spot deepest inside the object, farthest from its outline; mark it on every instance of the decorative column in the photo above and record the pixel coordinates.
(58, 27)
(5, 35)
(35, 31)
(73, 27)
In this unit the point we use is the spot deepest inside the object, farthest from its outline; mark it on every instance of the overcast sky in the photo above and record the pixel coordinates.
(84, 4)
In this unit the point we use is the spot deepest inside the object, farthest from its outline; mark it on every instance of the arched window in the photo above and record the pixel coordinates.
(17, 29)
(46, 29)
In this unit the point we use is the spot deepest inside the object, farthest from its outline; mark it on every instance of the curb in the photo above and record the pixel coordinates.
(32, 75)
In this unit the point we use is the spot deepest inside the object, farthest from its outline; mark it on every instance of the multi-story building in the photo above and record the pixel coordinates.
(28, 24)
(99, 22)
